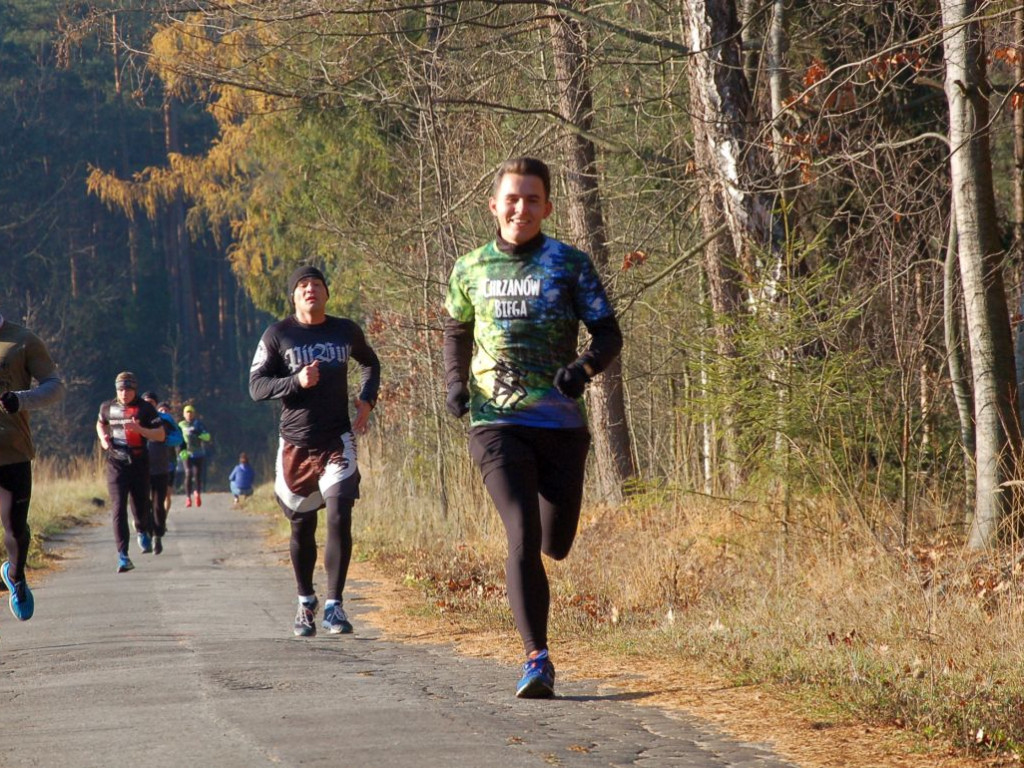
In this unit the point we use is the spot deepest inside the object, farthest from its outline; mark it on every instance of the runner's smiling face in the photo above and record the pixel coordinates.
(310, 297)
(520, 205)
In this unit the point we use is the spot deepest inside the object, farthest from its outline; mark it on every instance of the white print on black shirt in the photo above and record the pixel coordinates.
(260, 357)
(510, 295)
(297, 358)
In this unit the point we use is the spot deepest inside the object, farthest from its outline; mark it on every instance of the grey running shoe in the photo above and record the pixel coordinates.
(305, 619)
(336, 620)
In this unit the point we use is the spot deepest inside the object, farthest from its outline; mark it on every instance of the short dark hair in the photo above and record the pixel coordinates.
(524, 166)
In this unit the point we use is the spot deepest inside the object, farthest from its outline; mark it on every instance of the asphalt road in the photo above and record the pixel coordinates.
(189, 660)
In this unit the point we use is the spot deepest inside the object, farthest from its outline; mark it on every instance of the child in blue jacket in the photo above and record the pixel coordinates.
(241, 479)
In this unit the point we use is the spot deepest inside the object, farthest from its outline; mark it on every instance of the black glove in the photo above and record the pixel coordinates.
(571, 380)
(457, 401)
(9, 403)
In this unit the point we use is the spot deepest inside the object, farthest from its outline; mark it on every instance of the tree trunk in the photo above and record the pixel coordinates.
(725, 294)
(740, 165)
(612, 441)
(743, 176)
(179, 259)
(125, 150)
(438, 246)
(958, 364)
(1017, 254)
(988, 327)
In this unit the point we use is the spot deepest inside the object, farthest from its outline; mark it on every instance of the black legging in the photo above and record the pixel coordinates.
(158, 485)
(194, 474)
(337, 551)
(535, 479)
(129, 483)
(16, 479)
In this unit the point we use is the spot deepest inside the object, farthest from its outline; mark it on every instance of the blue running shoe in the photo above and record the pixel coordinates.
(335, 619)
(145, 543)
(22, 603)
(124, 564)
(538, 680)
(305, 619)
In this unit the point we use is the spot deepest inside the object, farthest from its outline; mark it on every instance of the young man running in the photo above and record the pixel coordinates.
(303, 361)
(23, 357)
(521, 298)
(124, 426)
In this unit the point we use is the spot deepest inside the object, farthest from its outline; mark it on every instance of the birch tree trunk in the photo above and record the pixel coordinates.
(957, 363)
(725, 294)
(743, 175)
(988, 326)
(742, 167)
(612, 442)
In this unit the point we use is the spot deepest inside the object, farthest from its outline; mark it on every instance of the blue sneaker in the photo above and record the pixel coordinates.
(22, 603)
(538, 680)
(305, 619)
(124, 564)
(145, 543)
(335, 619)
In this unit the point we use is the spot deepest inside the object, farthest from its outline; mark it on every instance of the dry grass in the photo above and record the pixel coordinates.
(63, 495)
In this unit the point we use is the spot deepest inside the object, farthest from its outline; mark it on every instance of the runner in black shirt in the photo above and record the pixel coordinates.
(124, 426)
(303, 361)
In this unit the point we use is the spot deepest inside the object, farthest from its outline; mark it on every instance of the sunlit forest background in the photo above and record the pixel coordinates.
(789, 332)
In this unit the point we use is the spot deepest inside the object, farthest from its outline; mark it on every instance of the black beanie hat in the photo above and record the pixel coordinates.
(301, 273)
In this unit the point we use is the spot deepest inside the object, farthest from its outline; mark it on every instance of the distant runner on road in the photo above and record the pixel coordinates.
(196, 438)
(519, 300)
(23, 357)
(162, 458)
(303, 361)
(125, 425)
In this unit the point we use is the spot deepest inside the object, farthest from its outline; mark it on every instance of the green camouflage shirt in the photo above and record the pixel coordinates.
(526, 310)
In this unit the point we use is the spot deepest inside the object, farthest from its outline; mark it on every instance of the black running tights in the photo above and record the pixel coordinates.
(158, 489)
(15, 494)
(129, 485)
(337, 551)
(535, 479)
(194, 474)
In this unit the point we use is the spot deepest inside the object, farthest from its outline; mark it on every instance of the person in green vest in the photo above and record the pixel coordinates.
(194, 451)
